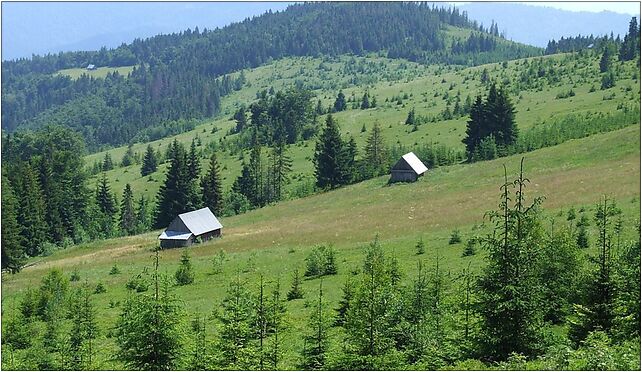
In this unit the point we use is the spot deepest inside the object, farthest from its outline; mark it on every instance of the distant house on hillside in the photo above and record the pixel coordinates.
(408, 169)
(91, 67)
(188, 227)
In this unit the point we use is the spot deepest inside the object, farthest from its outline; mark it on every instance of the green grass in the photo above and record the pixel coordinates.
(385, 78)
(576, 173)
(100, 72)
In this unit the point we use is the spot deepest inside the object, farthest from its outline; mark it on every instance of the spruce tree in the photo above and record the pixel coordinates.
(150, 163)
(376, 155)
(605, 61)
(475, 127)
(347, 162)
(503, 114)
(212, 187)
(143, 218)
(31, 212)
(509, 294)
(295, 292)
(340, 102)
(328, 156)
(598, 310)
(84, 330)
(148, 331)
(365, 102)
(106, 205)
(184, 275)
(108, 163)
(281, 165)
(175, 195)
(344, 303)
(127, 213)
(315, 340)
(13, 252)
(198, 359)
(237, 331)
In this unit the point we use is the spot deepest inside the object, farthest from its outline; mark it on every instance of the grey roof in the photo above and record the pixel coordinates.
(413, 161)
(174, 235)
(200, 221)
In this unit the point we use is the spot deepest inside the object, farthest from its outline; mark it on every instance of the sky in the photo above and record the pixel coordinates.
(43, 27)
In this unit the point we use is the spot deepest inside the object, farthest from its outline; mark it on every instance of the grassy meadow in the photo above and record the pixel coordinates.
(99, 72)
(425, 88)
(275, 240)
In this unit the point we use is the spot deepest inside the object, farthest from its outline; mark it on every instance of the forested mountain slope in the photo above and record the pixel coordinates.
(179, 77)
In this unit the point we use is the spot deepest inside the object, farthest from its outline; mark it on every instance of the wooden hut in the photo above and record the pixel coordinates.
(189, 227)
(408, 169)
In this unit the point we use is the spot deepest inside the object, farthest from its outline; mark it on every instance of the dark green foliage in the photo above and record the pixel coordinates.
(13, 252)
(344, 303)
(100, 288)
(340, 102)
(278, 172)
(212, 187)
(108, 164)
(198, 359)
(178, 194)
(150, 162)
(608, 80)
(455, 238)
(627, 298)
(237, 330)
(560, 265)
(316, 340)
(376, 158)
(597, 311)
(52, 295)
(84, 329)
(185, 273)
(582, 238)
(372, 318)
(31, 211)
(631, 44)
(143, 217)
(128, 158)
(139, 283)
(496, 117)
(605, 61)
(61, 179)
(127, 214)
(509, 294)
(470, 249)
(75, 275)
(148, 331)
(106, 203)
(365, 101)
(420, 246)
(241, 119)
(410, 119)
(333, 158)
(295, 292)
(321, 261)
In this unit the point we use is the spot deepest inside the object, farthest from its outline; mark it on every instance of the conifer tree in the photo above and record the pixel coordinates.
(315, 341)
(84, 330)
(185, 273)
(193, 164)
(365, 101)
(416, 316)
(328, 156)
(276, 312)
(108, 163)
(212, 187)
(295, 292)
(176, 194)
(237, 331)
(598, 310)
(150, 162)
(148, 331)
(281, 165)
(605, 61)
(128, 158)
(474, 129)
(13, 253)
(631, 44)
(198, 359)
(143, 218)
(376, 155)
(347, 162)
(256, 193)
(106, 205)
(509, 294)
(340, 102)
(31, 212)
(127, 213)
(410, 119)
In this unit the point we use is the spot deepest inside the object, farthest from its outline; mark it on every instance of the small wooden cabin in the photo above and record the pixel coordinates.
(408, 169)
(186, 228)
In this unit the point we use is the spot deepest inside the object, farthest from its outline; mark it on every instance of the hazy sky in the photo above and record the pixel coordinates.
(627, 7)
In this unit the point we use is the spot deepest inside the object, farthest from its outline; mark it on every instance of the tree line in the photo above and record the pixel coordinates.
(533, 279)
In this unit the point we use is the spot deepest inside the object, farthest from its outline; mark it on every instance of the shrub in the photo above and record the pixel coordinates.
(454, 237)
(139, 283)
(100, 288)
(470, 249)
(217, 262)
(185, 273)
(421, 247)
(75, 276)
(114, 270)
(321, 261)
(295, 291)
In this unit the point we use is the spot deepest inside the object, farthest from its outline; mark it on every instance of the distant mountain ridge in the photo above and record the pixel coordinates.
(537, 25)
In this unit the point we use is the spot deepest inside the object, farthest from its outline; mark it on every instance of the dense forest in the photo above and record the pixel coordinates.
(180, 77)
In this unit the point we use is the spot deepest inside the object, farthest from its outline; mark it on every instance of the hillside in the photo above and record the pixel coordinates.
(274, 240)
(180, 77)
(428, 90)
